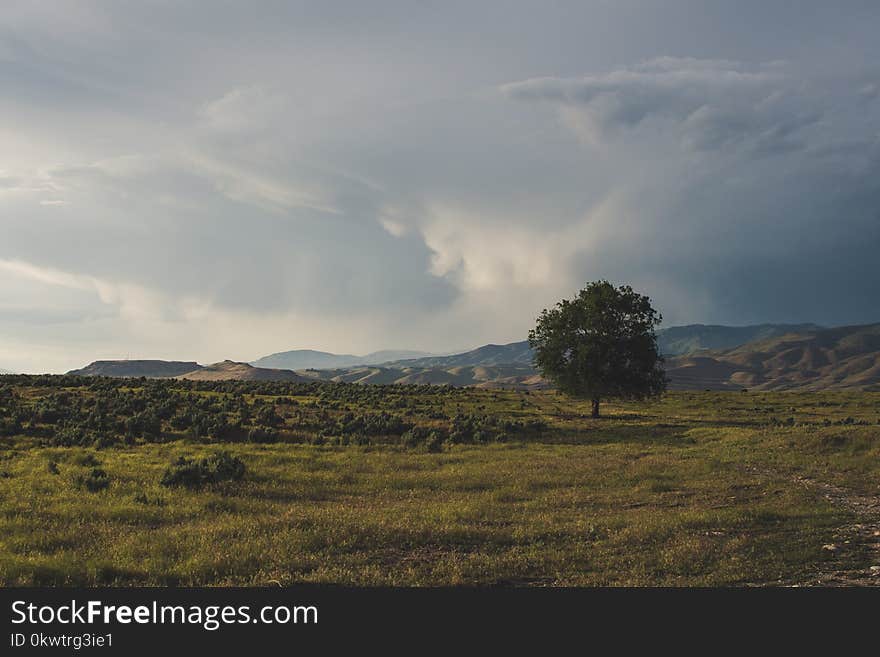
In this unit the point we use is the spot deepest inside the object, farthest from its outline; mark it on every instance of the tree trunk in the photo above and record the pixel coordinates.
(595, 412)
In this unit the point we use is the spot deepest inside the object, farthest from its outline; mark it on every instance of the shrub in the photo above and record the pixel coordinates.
(96, 480)
(431, 439)
(102, 440)
(268, 417)
(10, 426)
(87, 460)
(194, 473)
(262, 435)
(434, 443)
(413, 437)
(143, 498)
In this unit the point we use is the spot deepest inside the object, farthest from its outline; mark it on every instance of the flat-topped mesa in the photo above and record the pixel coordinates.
(152, 369)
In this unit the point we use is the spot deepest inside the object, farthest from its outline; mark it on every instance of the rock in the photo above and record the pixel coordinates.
(830, 547)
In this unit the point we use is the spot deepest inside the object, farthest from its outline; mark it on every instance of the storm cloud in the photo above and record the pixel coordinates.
(208, 180)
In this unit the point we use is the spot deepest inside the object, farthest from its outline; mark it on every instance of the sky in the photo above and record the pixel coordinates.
(205, 180)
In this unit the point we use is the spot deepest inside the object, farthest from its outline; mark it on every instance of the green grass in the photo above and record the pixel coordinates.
(695, 489)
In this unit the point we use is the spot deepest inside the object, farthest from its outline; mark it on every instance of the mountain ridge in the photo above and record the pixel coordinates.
(815, 358)
(232, 370)
(152, 369)
(672, 341)
(691, 338)
(301, 359)
(844, 357)
(487, 355)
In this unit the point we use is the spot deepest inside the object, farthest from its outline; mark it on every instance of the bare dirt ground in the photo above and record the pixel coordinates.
(854, 544)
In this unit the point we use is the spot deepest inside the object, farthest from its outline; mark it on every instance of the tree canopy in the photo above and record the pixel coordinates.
(600, 344)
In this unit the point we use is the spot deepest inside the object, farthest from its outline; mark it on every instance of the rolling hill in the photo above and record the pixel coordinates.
(825, 359)
(515, 353)
(509, 376)
(805, 357)
(231, 370)
(678, 340)
(672, 341)
(301, 359)
(152, 369)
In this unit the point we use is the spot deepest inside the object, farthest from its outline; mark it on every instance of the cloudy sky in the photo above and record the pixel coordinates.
(208, 180)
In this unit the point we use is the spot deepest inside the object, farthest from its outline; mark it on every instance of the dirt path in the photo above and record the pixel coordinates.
(853, 544)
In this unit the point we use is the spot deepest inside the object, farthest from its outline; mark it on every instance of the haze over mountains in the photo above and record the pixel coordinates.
(301, 359)
(677, 340)
(767, 356)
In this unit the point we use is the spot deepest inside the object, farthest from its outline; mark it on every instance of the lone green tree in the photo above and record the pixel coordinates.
(600, 344)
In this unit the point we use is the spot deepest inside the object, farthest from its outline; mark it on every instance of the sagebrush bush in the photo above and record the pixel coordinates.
(194, 473)
(86, 460)
(262, 435)
(94, 481)
(143, 498)
(434, 443)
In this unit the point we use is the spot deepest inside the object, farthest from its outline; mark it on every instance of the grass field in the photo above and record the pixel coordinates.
(694, 489)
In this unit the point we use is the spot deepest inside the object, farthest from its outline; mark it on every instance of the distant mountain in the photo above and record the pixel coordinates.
(515, 353)
(810, 359)
(672, 341)
(302, 359)
(504, 376)
(153, 369)
(764, 357)
(2, 371)
(690, 339)
(825, 359)
(231, 370)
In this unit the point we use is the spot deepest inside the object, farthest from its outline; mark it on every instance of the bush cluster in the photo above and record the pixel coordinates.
(93, 481)
(195, 473)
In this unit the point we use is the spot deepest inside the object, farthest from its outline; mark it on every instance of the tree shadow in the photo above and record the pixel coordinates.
(659, 434)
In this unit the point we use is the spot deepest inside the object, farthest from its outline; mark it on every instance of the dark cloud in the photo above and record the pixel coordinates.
(207, 180)
(713, 104)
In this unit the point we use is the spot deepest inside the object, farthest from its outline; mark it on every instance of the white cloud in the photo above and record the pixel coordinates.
(244, 109)
(393, 227)
(264, 191)
(484, 253)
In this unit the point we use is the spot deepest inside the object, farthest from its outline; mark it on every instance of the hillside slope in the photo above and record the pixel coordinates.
(677, 340)
(488, 355)
(154, 369)
(301, 359)
(506, 376)
(809, 359)
(827, 359)
(231, 370)
(672, 341)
